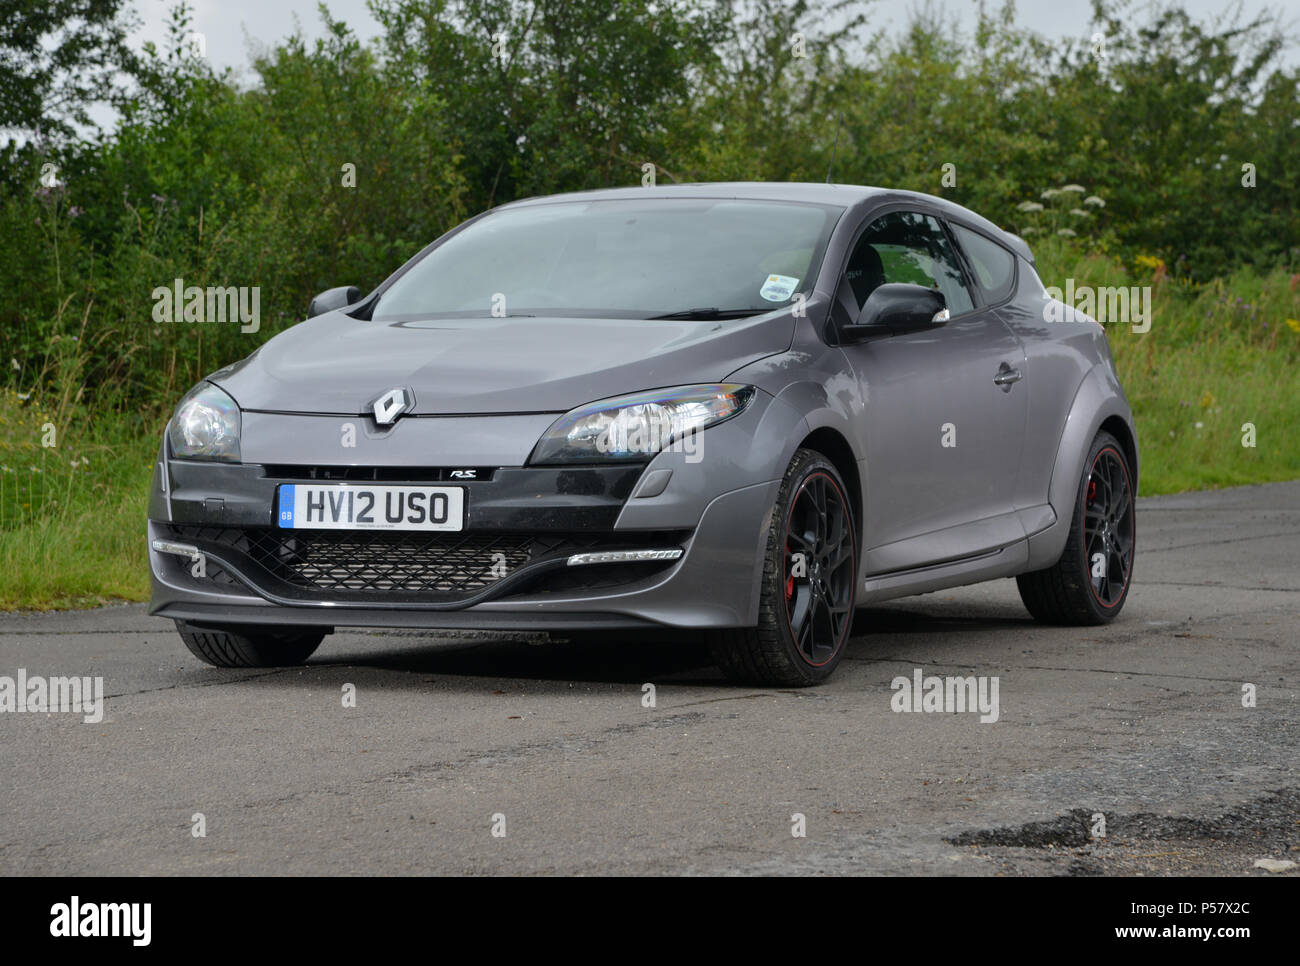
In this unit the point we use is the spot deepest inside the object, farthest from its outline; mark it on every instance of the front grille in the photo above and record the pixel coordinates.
(375, 565)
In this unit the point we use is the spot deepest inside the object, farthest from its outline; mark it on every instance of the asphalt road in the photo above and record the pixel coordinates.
(1141, 721)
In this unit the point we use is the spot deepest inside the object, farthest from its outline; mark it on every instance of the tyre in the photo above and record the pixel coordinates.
(251, 646)
(1090, 582)
(808, 584)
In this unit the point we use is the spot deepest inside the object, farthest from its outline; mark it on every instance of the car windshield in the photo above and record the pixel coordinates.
(620, 259)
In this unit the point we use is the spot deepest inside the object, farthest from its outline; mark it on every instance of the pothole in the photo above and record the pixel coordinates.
(1270, 821)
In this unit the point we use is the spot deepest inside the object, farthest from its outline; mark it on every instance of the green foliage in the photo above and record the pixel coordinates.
(1218, 356)
(73, 492)
(555, 95)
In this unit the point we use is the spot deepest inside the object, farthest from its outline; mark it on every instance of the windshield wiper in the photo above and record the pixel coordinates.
(711, 312)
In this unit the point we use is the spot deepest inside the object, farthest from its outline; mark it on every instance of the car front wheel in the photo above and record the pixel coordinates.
(1090, 582)
(809, 579)
(251, 646)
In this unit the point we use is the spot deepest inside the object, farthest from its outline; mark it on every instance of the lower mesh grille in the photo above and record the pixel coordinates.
(351, 565)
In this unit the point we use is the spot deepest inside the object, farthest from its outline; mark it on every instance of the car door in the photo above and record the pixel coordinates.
(943, 410)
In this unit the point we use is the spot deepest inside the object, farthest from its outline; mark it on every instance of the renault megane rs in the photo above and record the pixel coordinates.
(737, 409)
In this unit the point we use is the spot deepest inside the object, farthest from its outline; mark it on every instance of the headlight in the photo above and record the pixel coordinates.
(206, 426)
(638, 426)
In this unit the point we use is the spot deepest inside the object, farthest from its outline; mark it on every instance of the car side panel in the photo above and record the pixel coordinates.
(1073, 389)
(942, 441)
(1059, 355)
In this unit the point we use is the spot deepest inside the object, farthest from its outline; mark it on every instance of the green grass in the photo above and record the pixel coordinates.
(1191, 409)
(78, 558)
(1216, 357)
(72, 513)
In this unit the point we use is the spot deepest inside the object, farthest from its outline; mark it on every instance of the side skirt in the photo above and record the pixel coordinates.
(1004, 562)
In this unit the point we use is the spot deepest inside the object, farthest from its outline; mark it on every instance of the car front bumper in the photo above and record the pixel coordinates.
(530, 520)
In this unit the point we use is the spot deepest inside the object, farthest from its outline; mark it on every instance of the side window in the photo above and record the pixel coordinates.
(993, 265)
(906, 246)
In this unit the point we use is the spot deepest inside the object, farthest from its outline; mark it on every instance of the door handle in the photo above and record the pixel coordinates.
(1007, 376)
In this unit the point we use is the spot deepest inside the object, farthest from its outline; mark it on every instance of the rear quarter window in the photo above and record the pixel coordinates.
(993, 266)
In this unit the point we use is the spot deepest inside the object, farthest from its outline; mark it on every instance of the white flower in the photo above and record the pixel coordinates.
(1079, 213)
(1029, 206)
(1049, 193)
(1094, 201)
(1066, 232)
(24, 396)
(13, 364)
(1078, 188)
(1200, 425)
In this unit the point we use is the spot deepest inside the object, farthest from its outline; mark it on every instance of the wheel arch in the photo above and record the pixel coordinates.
(832, 444)
(1123, 431)
(1099, 404)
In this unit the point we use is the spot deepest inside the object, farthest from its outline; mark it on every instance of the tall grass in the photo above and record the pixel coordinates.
(73, 496)
(1219, 359)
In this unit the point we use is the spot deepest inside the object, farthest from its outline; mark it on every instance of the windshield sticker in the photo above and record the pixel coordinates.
(778, 288)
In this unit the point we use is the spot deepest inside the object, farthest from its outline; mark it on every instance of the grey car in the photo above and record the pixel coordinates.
(737, 410)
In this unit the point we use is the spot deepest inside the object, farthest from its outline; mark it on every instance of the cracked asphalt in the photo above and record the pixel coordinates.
(1140, 722)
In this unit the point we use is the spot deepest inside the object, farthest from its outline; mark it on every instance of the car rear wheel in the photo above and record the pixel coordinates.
(809, 579)
(251, 646)
(1090, 582)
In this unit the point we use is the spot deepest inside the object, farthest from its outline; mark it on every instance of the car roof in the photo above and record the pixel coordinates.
(810, 192)
(844, 195)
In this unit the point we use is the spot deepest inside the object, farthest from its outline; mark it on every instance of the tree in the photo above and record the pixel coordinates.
(57, 59)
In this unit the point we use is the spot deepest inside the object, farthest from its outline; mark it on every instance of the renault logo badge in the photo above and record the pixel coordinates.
(391, 405)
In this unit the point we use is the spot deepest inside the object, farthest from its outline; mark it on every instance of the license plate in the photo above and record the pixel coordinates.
(351, 506)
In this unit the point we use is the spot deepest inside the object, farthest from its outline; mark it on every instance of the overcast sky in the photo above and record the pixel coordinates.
(229, 26)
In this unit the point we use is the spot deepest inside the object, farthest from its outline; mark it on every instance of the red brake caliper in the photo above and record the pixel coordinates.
(1092, 490)
(789, 580)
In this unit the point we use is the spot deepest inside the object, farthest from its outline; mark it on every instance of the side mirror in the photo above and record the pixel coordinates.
(333, 298)
(896, 308)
